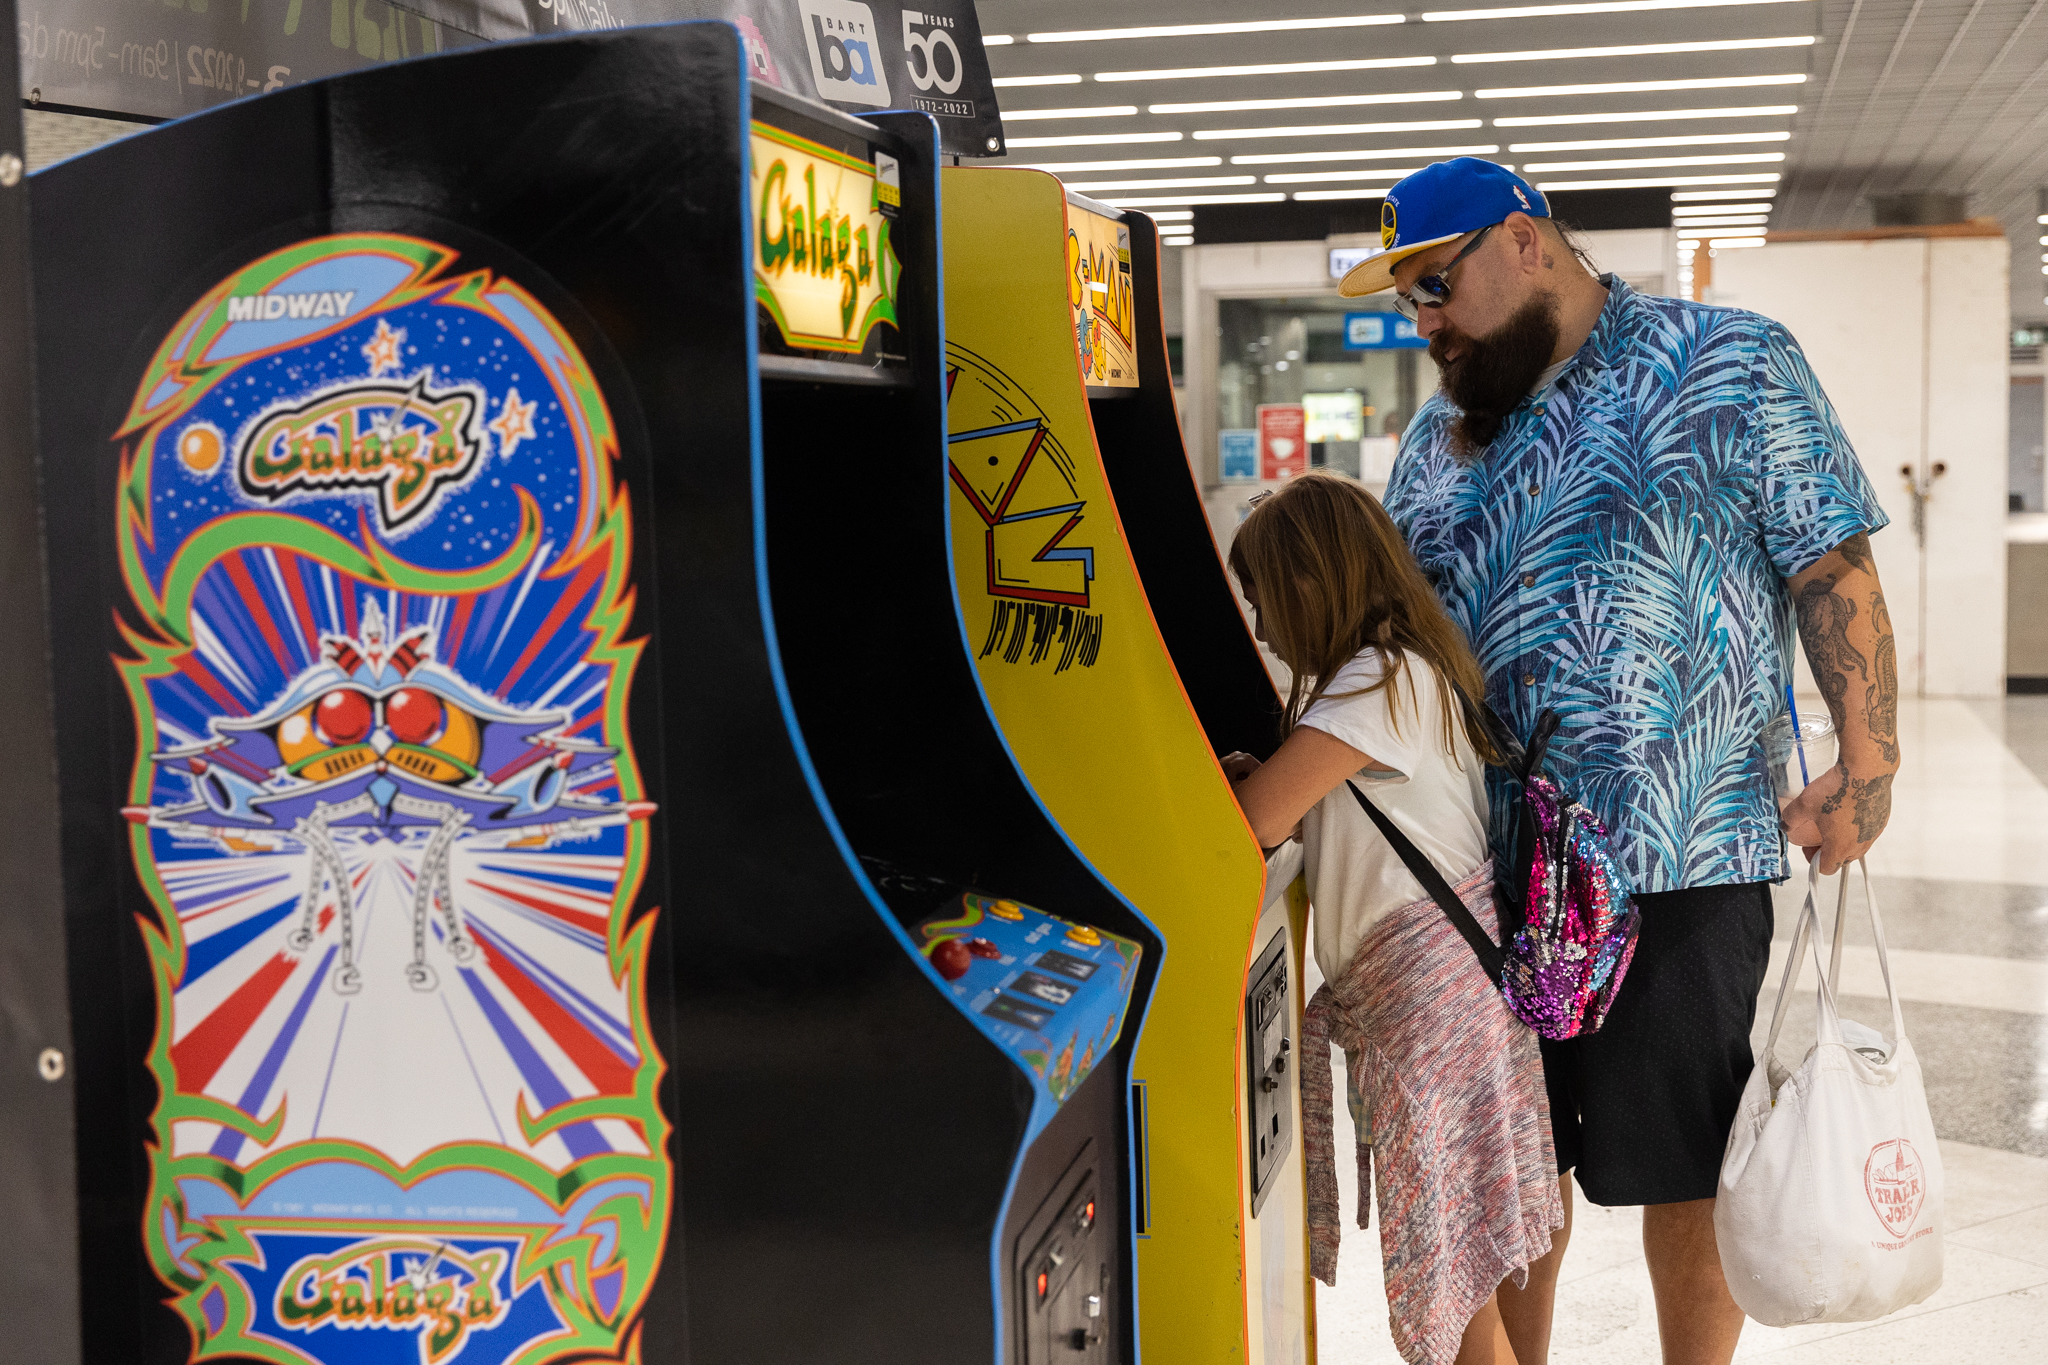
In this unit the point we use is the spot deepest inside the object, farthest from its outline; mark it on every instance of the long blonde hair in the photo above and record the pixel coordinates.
(1334, 576)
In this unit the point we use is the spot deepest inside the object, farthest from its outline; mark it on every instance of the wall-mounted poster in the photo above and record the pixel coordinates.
(386, 808)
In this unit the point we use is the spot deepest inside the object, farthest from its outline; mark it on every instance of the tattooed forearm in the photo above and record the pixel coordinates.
(1824, 617)
(1884, 690)
(1870, 802)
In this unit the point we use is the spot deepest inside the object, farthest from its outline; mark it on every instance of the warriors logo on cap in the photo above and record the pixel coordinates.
(1386, 225)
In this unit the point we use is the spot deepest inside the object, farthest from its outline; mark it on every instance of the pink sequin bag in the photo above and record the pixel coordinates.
(1578, 916)
(1560, 970)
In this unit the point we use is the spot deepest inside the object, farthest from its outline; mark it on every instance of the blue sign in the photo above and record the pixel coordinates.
(1238, 452)
(1380, 332)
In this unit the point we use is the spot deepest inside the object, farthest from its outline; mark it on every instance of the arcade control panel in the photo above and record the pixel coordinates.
(1050, 993)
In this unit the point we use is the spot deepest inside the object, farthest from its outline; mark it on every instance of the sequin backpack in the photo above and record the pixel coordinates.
(1560, 970)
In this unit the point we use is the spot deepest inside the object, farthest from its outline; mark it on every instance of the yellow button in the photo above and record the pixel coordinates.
(1082, 934)
(1005, 910)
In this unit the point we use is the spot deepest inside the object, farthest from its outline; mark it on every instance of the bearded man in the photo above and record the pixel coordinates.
(1624, 500)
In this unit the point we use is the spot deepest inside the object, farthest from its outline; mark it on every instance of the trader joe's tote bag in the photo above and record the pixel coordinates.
(1830, 1199)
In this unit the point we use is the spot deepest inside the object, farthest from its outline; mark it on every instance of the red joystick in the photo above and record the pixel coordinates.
(981, 947)
(952, 959)
(343, 716)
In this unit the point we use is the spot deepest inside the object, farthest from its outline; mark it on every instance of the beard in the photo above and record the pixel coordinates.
(1492, 376)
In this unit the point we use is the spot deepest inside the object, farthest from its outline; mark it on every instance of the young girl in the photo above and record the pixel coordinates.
(1446, 1083)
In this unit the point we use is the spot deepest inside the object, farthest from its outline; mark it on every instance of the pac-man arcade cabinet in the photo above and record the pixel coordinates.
(545, 878)
(1057, 363)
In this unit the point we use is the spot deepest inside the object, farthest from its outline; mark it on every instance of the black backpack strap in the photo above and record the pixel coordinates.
(1539, 743)
(1485, 949)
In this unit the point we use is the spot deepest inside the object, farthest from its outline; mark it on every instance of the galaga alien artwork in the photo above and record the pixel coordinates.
(387, 813)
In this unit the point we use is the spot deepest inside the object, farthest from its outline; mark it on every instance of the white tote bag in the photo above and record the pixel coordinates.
(1829, 1207)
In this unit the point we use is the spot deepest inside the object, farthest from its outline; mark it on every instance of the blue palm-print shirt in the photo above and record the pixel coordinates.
(1620, 554)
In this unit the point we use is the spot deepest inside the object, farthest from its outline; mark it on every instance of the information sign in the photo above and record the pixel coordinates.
(1283, 440)
(1238, 454)
(1381, 332)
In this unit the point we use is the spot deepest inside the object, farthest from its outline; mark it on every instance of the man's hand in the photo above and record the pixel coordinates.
(1848, 638)
(1839, 817)
(1238, 765)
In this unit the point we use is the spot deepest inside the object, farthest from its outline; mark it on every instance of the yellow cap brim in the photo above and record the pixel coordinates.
(1375, 273)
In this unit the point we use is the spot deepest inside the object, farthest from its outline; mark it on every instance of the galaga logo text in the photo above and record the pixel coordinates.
(405, 441)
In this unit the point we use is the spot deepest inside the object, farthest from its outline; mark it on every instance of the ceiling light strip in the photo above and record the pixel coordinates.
(1647, 181)
(1334, 129)
(996, 40)
(1092, 139)
(1390, 175)
(1143, 163)
(1307, 102)
(1454, 16)
(1722, 221)
(1188, 73)
(1386, 154)
(1190, 182)
(1101, 35)
(1552, 54)
(1012, 82)
(1091, 111)
(1682, 195)
(1348, 194)
(1611, 144)
(1639, 87)
(1171, 215)
(1645, 115)
(1637, 163)
(1195, 199)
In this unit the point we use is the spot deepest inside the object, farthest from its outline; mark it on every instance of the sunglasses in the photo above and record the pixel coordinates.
(1434, 291)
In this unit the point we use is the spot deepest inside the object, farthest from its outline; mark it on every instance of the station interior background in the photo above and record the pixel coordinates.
(1872, 172)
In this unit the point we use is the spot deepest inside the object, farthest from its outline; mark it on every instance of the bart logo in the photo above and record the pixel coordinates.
(841, 38)
(1387, 225)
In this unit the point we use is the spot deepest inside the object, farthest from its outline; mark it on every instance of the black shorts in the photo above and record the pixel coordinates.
(1642, 1108)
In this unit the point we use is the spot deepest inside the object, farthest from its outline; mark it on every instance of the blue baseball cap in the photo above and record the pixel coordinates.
(1438, 204)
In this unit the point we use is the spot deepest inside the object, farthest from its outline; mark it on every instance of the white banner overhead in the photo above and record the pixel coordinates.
(161, 62)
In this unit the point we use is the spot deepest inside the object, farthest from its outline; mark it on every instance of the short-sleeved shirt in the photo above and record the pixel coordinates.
(1433, 794)
(1619, 554)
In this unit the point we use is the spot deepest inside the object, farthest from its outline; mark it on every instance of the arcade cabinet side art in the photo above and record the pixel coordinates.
(1081, 684)
(386, 810)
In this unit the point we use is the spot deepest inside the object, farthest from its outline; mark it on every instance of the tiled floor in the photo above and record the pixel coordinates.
(1962, 884)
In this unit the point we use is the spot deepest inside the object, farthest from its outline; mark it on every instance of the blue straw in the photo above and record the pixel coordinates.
(1798, 737)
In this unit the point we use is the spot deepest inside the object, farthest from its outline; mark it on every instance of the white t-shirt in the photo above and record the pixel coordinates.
(1437, 800)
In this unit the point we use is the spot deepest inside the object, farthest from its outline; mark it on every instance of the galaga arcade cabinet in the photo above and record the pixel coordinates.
(541, 880)
(1081, 554)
